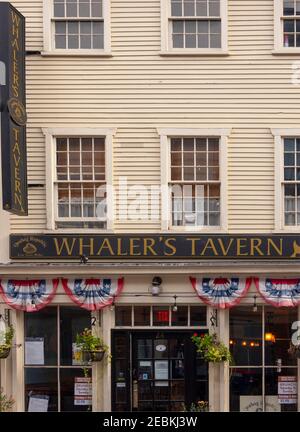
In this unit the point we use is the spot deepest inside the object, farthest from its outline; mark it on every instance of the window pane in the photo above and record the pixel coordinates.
(59, 10)
(289, 174)
(246, 336)
(198, 316)
(180, 318)
(60, 42)
(289, 26)
(98, 42)
(73, 42)
(289, 159)
(144, 348)
(142, 315)
(42, 326)
(278, 324)
(201, 8)
(71, 9)
(275, 380)
(178, 41)
(288, 7)
(96, 8)
(190, 41)
(189, 7)
(176, 144)
(246, 390)
(215, 41)
(123, 315)
(41, 382)
(289, 145)
(70, 402)
(84, 8)
(176, 8)
(161, 315)
(214, 8)
(73, 320)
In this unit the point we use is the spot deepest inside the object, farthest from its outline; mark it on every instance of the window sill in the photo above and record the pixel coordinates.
(195, 230)
(76, 53)
(199, 53)
(76, 231)
(286, 51)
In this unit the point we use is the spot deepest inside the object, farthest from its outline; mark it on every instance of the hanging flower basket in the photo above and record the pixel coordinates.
(211, 349)
(92, 356)
(6, 338)
(92, 347)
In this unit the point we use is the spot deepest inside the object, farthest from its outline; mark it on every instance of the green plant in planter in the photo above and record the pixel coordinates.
(199, 406)
(7, 337)
(92, 347)
(6, 403)
(211, 349)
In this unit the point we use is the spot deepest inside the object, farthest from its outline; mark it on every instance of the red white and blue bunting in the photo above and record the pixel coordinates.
(221, 293)
(28, 295)
(93, 294)
(279, 292)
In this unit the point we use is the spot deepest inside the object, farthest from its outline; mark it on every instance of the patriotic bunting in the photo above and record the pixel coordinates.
(221, 293)
(28, 295)
(93, 294)
(279, 292)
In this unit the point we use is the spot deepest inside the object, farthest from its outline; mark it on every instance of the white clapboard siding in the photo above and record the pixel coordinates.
(137, 90)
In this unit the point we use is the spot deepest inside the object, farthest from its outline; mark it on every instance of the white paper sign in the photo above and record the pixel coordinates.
(287, 389)
(161, 370)
(83, 391)
(255, 404)
(38, 403)
(34, 351)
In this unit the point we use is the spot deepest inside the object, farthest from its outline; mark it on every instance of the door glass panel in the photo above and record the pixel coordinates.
(246, 389)
(73, 320)
(144, 348)
(281, 389)
(40, 383)
(42, 326)
(177, 369)
(161, 392)
(176, 348)
(278, 334)
(145, 391)
(161, 348)
(145, 370)
(120, 370)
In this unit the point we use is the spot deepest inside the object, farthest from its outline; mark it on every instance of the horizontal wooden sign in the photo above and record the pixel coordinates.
(13, 110)
(154, 247)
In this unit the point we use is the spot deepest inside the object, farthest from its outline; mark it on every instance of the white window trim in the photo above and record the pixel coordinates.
(279, 134)
(50, 135)
(278, 32)
(165, 135)
(166, 48)
(49, 49)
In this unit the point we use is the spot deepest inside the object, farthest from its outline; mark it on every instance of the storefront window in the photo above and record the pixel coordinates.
(263, 376)
(53, 372)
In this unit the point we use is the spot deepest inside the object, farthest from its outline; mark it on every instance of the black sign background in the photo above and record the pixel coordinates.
(150, 247)
(13, 133)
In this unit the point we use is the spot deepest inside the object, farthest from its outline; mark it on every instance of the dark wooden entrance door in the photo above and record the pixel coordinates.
(156, 371)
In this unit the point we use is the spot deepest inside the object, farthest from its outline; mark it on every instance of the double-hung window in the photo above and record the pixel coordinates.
(287, 179)
(287, 26)
(76, 26)
(194, 26)
(79, 178)
(194, 185)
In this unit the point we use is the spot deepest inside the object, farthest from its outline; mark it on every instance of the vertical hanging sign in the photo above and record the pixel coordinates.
(13, 111)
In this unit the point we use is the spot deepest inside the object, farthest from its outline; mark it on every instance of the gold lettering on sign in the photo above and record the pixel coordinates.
(133, 246)
(90, 246)
(64, 244)
(17, 194)
(172, 247)
(276, 248)
(210, 245)
(106, 245)
(224, 249)
(15, 43)
(193, 240)
(255, 244)
(119, 246)
(148, 246)
(240, 244)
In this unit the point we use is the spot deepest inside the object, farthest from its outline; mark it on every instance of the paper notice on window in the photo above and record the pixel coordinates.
(34, 351)
(83, 391)
(161, 370)
(38, 403)
(287, 390)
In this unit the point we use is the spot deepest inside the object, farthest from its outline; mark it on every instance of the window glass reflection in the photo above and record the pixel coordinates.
(246, 389)
(41, 382)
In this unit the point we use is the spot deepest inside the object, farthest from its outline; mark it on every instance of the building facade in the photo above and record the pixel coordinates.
(151, 120)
